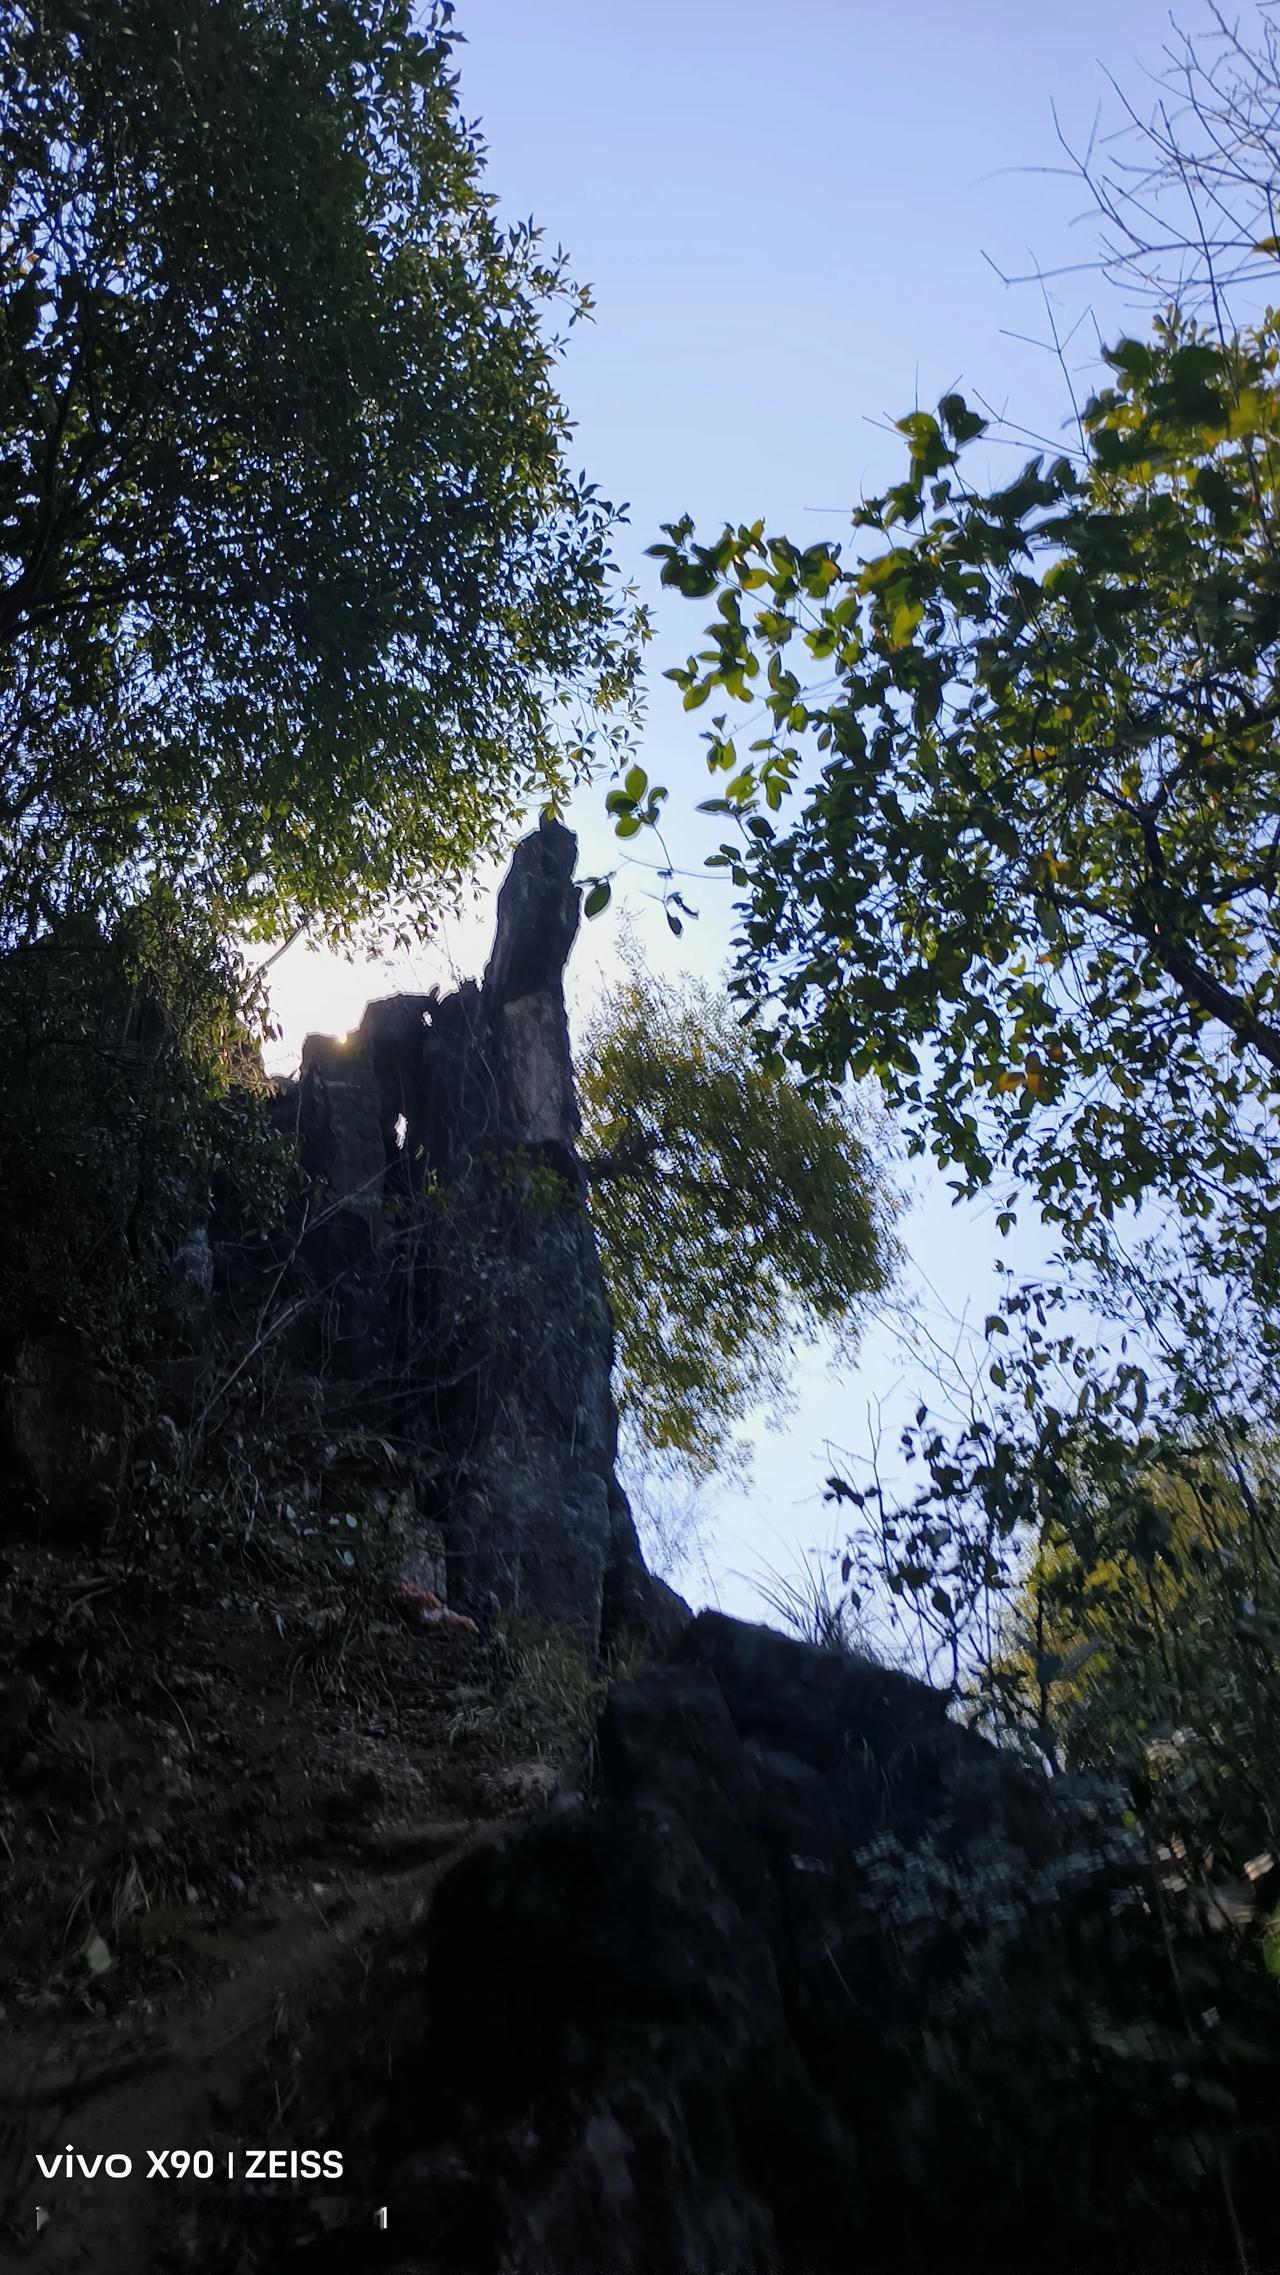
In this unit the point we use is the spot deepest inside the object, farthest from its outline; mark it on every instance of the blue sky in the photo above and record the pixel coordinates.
(784, 213)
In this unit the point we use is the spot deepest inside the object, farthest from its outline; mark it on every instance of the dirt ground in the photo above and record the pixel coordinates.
(216, 1785)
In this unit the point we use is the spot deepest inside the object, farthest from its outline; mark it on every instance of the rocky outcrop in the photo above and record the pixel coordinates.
(804, 1977)
(536, 1521)
(437, 1286)
(468, 1310)
(799, 1974)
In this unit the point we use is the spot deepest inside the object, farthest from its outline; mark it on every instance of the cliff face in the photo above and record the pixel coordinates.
(438, 1292)
(469, 1305)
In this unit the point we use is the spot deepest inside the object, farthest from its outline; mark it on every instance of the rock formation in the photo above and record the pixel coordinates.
(441, 1293)
(798, 1974)
(470, 1302)
(804, 1977)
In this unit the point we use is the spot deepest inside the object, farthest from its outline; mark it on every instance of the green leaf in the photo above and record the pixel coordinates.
(961, 423)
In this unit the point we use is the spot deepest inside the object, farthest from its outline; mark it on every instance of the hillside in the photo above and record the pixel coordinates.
(365, 1794)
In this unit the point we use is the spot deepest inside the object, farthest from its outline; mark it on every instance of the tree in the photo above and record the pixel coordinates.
(1032, 881)
(737, 1217)
(1186, 200)
(1147, 1626)
(295, 586)
(1091, 1555)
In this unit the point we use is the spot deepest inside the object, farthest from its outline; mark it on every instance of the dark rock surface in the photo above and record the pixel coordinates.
(451, 1218)
(807, 1978)
(77, 1050)
(438, 1284)
(799, 1975)
(65, 1435)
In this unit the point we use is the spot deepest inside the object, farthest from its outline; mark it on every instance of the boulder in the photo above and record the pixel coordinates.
(807, 1975)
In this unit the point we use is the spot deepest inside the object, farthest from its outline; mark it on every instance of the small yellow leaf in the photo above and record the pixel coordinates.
(906, 616)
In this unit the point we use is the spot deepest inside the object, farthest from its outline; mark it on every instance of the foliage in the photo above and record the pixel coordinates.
(556, 1690)
(1100, 1576)
(1033, 885)
(1103, 1587)
(132, 1107)
(297, 594)
(737, 1217)
(815, 1609)
(1005, 835)
(1147, 1632)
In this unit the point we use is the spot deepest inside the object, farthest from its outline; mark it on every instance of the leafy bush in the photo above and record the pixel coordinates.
(132, 1103)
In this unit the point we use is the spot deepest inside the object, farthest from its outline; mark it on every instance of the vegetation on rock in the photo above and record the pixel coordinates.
(133, 1108)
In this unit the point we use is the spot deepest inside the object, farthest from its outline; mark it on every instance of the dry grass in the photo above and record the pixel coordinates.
(553, 1687)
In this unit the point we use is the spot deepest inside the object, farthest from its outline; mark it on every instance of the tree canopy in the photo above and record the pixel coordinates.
(737, 1216)
(299, 601)
(1150, 1607)
(1029, 875)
